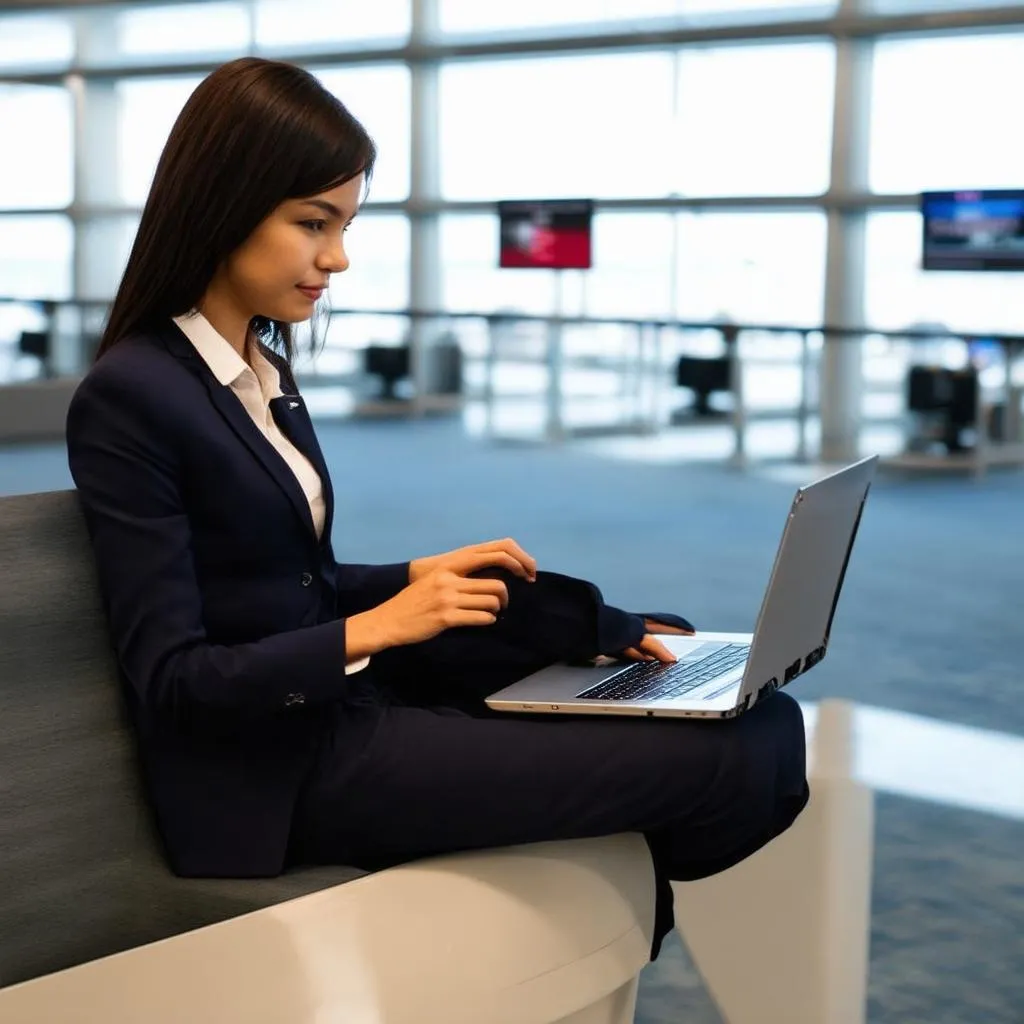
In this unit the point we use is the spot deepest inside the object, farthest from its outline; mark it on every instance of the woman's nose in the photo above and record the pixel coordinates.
(334, 259)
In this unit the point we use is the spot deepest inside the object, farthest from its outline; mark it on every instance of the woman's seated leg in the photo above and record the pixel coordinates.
(432, 780)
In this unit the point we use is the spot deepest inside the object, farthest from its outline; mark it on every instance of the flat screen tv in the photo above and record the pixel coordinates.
(980, 230)
(553, 234)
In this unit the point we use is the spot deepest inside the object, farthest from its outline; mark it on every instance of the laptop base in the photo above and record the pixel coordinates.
(554, 690)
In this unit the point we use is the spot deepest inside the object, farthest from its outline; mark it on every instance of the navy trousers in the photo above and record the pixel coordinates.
(396, 780)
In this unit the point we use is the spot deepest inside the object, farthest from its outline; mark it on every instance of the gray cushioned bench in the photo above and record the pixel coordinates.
(81, 872)
(543, 933)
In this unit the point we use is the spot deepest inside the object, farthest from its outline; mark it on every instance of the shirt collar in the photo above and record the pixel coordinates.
(216, 351)
(223, 360)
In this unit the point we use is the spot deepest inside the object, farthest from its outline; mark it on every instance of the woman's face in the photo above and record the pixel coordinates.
(282, 268)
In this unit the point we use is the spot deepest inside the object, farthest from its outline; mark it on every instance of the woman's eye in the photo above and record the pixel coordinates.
(314, 225)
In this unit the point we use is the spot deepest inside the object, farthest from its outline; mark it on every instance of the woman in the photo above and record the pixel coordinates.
(267, 737)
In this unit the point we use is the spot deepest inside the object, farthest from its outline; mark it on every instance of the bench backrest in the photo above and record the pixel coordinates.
(77, 847)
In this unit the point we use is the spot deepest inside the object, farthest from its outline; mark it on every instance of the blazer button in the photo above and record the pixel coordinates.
(294, 698)
(307, 579)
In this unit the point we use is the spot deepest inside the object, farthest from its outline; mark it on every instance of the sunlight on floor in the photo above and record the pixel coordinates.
(929, 759)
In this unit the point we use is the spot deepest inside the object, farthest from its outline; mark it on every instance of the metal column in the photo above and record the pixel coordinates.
(841, 370)
(424, 187)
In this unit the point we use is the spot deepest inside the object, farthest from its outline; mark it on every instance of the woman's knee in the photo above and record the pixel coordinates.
(782, 711)
(760, 790)
(776, 733)
(770, 765)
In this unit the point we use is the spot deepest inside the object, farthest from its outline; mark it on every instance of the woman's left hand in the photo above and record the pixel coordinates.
(650, 647)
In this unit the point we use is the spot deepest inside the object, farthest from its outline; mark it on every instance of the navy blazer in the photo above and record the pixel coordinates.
(225, 610)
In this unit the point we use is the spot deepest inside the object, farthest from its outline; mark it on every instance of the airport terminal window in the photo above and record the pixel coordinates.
(755, 120)
(140, 34)
(764, 267)
(941, 113)
(918, 6)
(465, 16)
(295, 24)
(104, 243)
(470, 278)
(35, 256)
(36, 169)
(899, 294)
(147, 108)
(35, 41)
(517, 129)
(379, 97)
(514, 129)
(631, 276)
(632, 272)
(377, 245)
(757, 9)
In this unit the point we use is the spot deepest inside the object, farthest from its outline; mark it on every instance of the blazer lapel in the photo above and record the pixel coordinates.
(292, 417)
(240, 421)
(293, 421)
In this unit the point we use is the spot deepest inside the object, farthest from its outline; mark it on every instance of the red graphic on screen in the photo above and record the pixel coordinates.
(553, 234)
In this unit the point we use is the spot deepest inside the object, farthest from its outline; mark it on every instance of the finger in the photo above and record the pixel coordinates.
(653, 646)
(528, 562)
(511, 547)
(474, 560)
(495, 587)
(475, 618)
(632, 652)
(480, 602)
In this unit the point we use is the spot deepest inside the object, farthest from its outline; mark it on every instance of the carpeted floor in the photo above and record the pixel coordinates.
(930, 623)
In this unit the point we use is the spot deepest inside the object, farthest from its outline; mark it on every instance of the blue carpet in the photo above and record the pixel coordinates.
(929, 623)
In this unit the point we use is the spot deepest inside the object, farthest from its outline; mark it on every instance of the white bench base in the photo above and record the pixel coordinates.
(783, 937)
(552, 932)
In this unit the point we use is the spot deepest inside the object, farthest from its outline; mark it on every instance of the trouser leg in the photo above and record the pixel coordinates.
(705, 793)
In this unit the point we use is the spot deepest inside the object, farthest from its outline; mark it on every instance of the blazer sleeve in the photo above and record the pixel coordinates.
(361, 587)
(127, 476)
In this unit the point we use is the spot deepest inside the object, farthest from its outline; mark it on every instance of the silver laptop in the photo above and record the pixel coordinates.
(719, 675)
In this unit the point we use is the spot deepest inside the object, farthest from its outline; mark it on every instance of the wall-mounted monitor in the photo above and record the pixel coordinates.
(981, 230)
(554, 234)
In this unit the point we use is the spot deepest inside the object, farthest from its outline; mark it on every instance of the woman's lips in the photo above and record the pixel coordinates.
(311, 293)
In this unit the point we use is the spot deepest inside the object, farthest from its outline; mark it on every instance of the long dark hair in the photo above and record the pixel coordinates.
(253, 134)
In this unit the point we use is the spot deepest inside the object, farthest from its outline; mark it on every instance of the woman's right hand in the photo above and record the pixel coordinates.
(438, 601)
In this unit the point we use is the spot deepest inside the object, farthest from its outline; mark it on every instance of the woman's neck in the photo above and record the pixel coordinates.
(227, 320)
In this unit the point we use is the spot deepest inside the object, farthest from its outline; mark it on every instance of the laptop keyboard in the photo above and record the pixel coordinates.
(654, 680)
